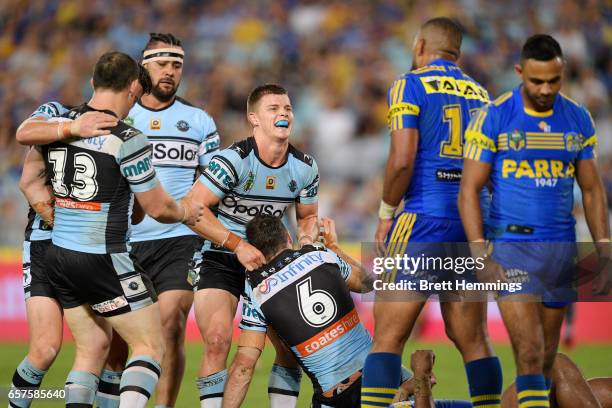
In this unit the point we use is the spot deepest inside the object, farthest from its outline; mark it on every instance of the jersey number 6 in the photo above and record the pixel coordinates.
(317, 307)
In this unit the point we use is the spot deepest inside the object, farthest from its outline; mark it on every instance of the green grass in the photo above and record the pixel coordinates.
(595, 360)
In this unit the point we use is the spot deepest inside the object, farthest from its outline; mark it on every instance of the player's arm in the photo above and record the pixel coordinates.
(33, 185)
(421, 363)
(308, 227)
(359, 280)
(240, 373)
(209, 227)
(37, 130)
(593, 199)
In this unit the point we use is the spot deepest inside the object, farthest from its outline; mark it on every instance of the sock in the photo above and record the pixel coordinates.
(380, 381)
(138, 381)
(25, 376)
(108, 390)
(211, 389)
(80, 389)
(531, 391)
(284, 386)
(486, 382)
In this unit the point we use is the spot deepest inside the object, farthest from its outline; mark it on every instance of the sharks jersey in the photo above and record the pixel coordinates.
(303, 296)
(183, 138)
(37, 230)
(533, 158)
(246, 186)
(93, 180)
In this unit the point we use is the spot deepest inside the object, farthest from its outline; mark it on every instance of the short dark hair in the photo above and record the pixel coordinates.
(116, 70)
(541, 47)
(166, 38)
(262, 90)
(267, 233)
(452, 30)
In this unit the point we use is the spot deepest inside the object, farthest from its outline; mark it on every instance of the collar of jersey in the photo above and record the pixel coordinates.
(441, 61)
(256, 150)
(89, 108)
(157, 110)
(532, 112)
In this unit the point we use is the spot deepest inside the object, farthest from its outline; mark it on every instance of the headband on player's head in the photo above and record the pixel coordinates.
(163, 54)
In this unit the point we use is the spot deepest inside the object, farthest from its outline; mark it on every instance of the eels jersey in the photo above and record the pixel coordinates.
(183, 138)
(37, 230)
(93, 180)
(533, 157)
(303, 295)
(437, 100)
(246, 186)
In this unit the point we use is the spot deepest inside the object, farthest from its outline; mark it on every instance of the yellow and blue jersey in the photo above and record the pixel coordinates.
(533, 157)
(438, 101)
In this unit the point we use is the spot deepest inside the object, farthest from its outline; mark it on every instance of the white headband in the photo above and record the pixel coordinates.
(163, 54)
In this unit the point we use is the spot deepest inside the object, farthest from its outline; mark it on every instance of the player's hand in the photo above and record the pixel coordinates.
(603, 281)
(46, 211)
(491, 272)
(91, 124)
(249, 256)
(193, 210)
(328, 232)
(381, 233)
(422, 362)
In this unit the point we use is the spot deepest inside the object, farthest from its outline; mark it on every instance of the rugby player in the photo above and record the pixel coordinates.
(42, 307)
(531, 143)
(262, 174)
(429, 109)
(183, 138)
(93, 181)
(303, 295)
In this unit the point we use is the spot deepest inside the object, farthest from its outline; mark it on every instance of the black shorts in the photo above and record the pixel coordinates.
(349, 398)
(219, 270)
(35, 279)
(112, 284)
(166, 261)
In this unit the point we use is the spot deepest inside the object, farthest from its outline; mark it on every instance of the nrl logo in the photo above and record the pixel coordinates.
(249, 182)
(129, 121)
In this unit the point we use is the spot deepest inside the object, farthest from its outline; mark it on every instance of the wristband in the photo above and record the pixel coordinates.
(386, 211)
(603, 240)
(231, 241)
(59, 130)
(66, 133)
(186, 211)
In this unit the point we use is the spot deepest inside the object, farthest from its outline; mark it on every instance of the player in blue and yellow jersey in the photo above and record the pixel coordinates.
(263, 174)
(429, 108)
(183, 138)
(531, 144)
(45, 322)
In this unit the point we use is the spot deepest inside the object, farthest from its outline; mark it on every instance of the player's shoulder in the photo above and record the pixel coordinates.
(51, 109)
(196, 110)
(242, 148)
(503, 99)
(124, 131)
(300, 157)
(573, 106)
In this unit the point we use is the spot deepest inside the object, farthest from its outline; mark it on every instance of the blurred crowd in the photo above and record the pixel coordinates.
(337, 58)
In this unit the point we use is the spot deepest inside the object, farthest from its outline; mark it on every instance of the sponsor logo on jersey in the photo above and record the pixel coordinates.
(182, 125)
(129, 132)
(218, 170)
(573, 141)
(138, 166)
(452, 86)
(544, 127)
(174, 152)
(329, 334)
(247, 209)
(270, 182)
(516, 140)
(110, 305)
(448, 175)
(78, 205)
(155, 124)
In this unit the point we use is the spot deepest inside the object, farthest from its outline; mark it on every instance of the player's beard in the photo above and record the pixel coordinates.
(541, 104)
(164, 96)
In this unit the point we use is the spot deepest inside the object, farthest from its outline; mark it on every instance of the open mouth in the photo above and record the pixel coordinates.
(283, 123)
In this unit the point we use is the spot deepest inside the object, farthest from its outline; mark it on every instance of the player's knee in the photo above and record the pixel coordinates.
(388, 343)
(530, 356)
(217, 342)
(173, 327)
(42, 354)
(96, 348)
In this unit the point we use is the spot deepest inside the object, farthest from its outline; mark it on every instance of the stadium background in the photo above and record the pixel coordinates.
(337, 58)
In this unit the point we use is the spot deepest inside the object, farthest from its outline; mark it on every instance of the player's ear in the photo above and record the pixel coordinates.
(252, 118)
(91, 83)
(133, 87)
(420, 46)
(518, 68)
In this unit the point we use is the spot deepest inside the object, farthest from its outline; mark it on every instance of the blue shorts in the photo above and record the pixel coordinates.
(545, 269)
(432, 240)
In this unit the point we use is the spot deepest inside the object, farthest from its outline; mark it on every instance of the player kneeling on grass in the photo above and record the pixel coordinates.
(303, 295)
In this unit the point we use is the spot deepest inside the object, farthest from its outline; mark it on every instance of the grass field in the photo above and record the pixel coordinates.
(595, 360)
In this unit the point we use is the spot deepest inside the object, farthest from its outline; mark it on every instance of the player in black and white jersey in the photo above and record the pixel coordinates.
(90, 266)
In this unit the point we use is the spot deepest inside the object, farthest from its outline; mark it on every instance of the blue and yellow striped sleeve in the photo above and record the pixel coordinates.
(481, 137)
(404, 100)
(588, 149)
